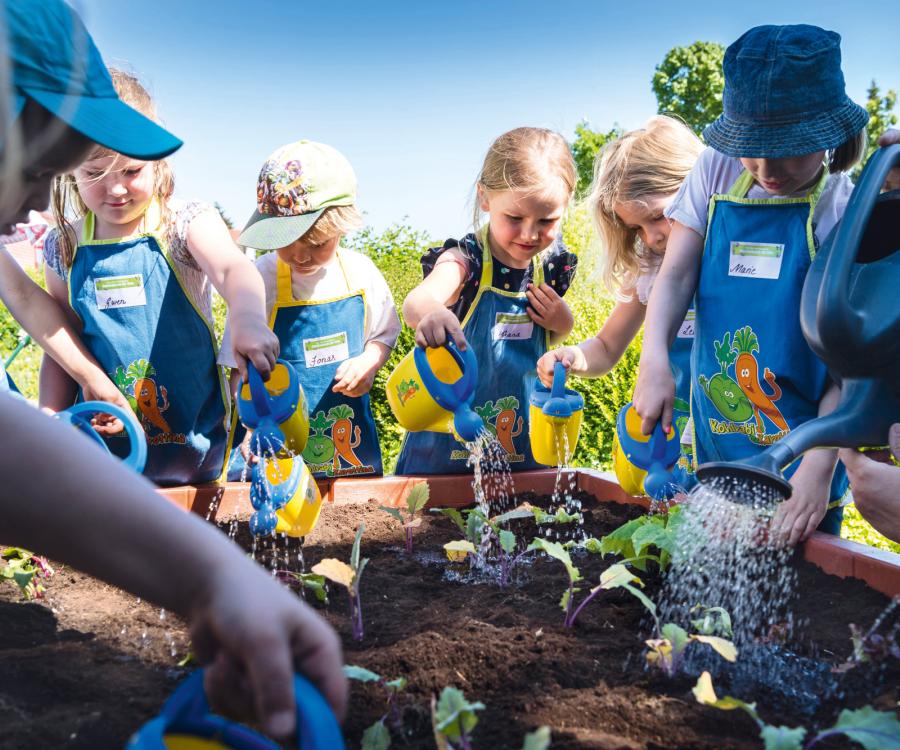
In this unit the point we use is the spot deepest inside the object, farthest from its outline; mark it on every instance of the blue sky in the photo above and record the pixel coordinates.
(414, 92)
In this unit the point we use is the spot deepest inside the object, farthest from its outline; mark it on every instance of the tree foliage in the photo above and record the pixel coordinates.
(585, 148)
(688, 84)
(881, 117)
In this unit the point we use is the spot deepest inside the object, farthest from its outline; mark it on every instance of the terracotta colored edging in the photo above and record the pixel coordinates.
(879, 569)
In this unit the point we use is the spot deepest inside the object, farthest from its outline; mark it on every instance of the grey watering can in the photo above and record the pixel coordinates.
(850, 316)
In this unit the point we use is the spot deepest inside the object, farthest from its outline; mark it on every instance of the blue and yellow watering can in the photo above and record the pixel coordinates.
(554, 420)
(275, 410)
(285, 497)
(432, 390)
(185, 723)
(79, 415)
(643, 464)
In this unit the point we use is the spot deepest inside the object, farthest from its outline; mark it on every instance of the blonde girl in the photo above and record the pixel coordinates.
(133, 267)
(499, 290)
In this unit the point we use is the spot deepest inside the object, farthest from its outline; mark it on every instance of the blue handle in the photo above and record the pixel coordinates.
(449, 396)
(258, 392)
(559, 380)
(137, 457)
(187, 712)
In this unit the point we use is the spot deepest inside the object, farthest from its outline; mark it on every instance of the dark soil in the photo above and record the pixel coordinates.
(90, 664)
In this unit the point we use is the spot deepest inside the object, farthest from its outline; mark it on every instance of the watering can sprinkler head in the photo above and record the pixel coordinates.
(747, 484)
(275, 410)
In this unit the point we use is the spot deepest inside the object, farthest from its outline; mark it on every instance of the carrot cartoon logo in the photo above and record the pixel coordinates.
(406, 389)
(502, 421)
(149, 400)
(346, 437)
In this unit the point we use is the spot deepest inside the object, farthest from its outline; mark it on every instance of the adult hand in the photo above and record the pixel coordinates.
(434, 328)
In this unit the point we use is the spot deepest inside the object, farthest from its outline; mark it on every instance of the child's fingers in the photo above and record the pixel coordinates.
(538, 304)
(535, 316)
(241, 362)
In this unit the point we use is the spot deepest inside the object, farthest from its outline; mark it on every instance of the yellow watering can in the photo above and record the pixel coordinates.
(643, 463)
(275, 410)
(554, 420)
(432, 390)
(285, 497)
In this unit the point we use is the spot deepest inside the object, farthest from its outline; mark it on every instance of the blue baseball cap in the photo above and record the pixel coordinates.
(784, 95)
(55, 62)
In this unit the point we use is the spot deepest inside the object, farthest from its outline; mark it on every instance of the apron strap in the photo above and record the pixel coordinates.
(744, 182)
(340, 260)
(284, 294)
(487, 263)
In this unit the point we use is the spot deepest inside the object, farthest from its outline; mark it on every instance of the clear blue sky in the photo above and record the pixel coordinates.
(414, 92)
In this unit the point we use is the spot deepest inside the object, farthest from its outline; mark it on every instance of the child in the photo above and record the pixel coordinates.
(135, 267)
(764, 196)
(329, 306)
(202, 577)
(635, 179)
(488, 291)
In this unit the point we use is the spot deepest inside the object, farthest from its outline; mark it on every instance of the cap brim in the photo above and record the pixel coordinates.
(111, 123)
(265, 232)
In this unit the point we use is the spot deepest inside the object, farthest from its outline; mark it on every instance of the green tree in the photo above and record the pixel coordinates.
(585, 148)
(228, 222)
(688, 83)
(881, 117)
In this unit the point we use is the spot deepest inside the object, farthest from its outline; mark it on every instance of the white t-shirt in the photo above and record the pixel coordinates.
(383, 323)
(714, 173)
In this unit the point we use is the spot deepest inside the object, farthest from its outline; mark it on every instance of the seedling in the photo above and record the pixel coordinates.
(378, 736)
(415, 501)
(872, 645)
(307, 581)
(453, 718)
(668, 649)
(26, 570)
(348, 576)
(633, 538)
(874, 730)
(712, 621)
(561, 516)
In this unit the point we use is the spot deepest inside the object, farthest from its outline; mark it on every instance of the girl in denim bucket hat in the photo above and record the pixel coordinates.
(750, 216)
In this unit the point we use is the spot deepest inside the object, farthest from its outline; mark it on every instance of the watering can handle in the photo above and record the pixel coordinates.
(258, 392)
(849, 234)
(137, 439)
(559, 380)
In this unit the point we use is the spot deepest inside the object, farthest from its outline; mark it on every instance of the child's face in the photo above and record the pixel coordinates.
(646, 218)
(522, 223)
(305, 258)
(785, 176)
(116, 189)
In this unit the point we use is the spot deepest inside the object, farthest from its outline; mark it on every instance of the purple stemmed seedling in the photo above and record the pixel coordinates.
(453, 718)
(416, 500)
(348, 576)
(26, 570)
(378, 735)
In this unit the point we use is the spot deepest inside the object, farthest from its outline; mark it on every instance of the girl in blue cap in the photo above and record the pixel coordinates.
(499, 291)
(134, 271)
(746, 224)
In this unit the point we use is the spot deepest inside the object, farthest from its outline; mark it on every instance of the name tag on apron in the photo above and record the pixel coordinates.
(512, 326)
(120, 291)
(326, 350)
(755, 260)
(686, 331)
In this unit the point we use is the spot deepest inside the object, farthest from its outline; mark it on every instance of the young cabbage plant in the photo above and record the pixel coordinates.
(874, 730)
(712, 621)
(26, 570)
(378, 735)
(453, 718)
(633, 538)
(311, 582)
(416, 500)
(561, 516)
(668, 649)
(348, 576)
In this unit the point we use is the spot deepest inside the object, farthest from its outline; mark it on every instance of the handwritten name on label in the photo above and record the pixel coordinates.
(512, 326)
(686, 331)
(755, 260)
(120, 291)
(326, 350)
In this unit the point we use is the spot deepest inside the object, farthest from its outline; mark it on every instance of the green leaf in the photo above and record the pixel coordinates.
(653, 534)
(395, 686)
(556, 550)
(541, 517)
(360, 674)
(641, 597)
(393, 511)
(704, 693)
(474, 524)
(354, 552)
(617, 575)
(593, 546)
(454, 714)
(507, 541)
(454, 515)
(376, 737)
(874, 730)
(618, 541)
(512, 515)
(314, 583)
(417, 498)
(676, 635)
(724, 648)
(539, 739)
(782, 738)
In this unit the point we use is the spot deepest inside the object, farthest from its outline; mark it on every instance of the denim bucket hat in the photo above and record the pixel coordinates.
(54, 61)
(784, 95)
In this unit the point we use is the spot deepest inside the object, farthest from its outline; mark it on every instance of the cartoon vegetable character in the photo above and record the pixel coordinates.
(507, 427)
(124, 382)
(341, 431)
(406, 390)
(148, 402)
(746, 370)
(724, 393)
(319, 448)
(487, 412)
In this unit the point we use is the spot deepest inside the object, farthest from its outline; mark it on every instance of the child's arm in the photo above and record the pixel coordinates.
(549, 310)
(242, 288)
(676, 283)
(598, 355)
(252, 630)
(354, 377)
(425, 307)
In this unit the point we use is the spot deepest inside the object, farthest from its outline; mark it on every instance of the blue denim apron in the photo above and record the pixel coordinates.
(507, 345)
(680, 364)
(146, 333)
(315, 338)
(754, 376)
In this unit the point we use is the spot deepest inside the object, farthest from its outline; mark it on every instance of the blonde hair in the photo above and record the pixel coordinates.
(531, 159)
(65, 199)
(335, 221)
(642, 163)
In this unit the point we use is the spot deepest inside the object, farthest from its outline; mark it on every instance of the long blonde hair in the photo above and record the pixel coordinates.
(65, 199)
(532, 159)
(642, 163)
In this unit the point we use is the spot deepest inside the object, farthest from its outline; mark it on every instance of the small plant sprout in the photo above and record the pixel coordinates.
(712, 621)
(26, 570)
(348, 576)
(311, 582)
(633, 538)
(539, 739)
(415, 501)
(874, 730)
(561, 516)
(879, 643)
(378, 735)
(453, 718)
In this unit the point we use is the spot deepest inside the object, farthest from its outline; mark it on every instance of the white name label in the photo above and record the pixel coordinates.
(326, 350)
(686, 331)
(120, 291)
(755, 260)
(510, 326)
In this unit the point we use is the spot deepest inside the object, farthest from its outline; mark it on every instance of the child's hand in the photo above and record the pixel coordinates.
(102, 388)
(798, 517)
(354, 376)
(435, 326)
(253, 341)
(654, 394)
(548, 310)
(569, 355)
